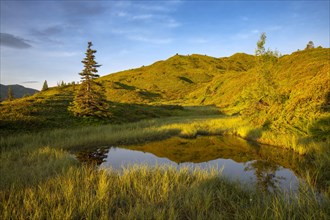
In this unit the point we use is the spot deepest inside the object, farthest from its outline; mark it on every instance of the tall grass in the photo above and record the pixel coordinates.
(156, 129)
(40, 180)
(153, 193)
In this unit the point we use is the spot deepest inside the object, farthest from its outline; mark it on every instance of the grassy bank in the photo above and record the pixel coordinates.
(156, 129)
(17, 148)
(153, 193)
(40, 179)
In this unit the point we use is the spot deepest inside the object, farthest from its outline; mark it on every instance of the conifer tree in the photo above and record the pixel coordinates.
(90, 99)
(45, 86)
(10, 95)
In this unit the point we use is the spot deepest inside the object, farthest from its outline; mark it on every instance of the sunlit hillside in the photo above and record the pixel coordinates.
(300, 87)
(172, 80)
(300, 81)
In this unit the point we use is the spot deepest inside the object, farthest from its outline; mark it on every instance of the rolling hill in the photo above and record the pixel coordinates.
(18, 91)
(300, 83)
(172, 80)
(294, 98)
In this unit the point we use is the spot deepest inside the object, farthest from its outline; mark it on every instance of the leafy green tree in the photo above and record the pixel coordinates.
(263, 94)
(45, 86)
(10, 95)
(266, 59)
(90, 99)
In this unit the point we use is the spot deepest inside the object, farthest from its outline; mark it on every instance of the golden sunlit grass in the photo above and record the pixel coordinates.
(18, 150)
(46, 182)
(142, 192)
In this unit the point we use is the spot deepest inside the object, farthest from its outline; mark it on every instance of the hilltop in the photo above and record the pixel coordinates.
(299, 102)
(172, 80)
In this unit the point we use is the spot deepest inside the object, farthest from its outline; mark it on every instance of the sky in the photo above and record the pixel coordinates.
(47, 40)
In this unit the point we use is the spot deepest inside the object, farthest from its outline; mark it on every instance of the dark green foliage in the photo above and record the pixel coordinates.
(10, 95)
(90, 99)
(320, 129)
(45, 86)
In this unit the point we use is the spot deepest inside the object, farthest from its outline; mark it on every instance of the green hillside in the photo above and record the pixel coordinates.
(172, 80)
(302, 87)
(300, 81)
(49, 109)
(296, 100)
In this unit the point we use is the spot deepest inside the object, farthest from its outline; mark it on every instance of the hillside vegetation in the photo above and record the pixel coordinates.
(299, 103)
(172, 80)
(301, 86)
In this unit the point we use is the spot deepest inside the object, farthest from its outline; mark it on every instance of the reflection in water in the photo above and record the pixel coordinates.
(96, 157)
(268, 167)
(265, 173)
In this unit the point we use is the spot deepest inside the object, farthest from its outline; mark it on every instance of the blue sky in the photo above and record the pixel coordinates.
(46, 40)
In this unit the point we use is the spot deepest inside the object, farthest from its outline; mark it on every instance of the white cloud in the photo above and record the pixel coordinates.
(142, 17)
(62, 54)
(172, 23)
(121, 14)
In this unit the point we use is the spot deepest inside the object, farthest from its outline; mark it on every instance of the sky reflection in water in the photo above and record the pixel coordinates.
(268, 168)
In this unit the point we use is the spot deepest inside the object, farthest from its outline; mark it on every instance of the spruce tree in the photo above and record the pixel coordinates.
(90, 99)
(45, 86)
(10, 95)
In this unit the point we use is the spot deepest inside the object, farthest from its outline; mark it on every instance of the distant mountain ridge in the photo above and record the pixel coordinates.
(18, 91)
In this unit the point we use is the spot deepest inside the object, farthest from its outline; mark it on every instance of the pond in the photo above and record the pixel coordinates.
(266, 167)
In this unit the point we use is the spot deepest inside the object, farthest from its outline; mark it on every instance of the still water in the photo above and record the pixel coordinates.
(265, 167)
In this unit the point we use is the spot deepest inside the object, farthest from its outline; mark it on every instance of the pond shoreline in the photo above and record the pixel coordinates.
(38, 169)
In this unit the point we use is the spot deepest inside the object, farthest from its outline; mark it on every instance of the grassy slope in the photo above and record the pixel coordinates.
(48, 110)
(302, 85)
(33, 167)
(301, 82)
(171, 80)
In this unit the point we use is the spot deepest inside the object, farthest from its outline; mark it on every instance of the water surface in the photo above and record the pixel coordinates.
(266, 167)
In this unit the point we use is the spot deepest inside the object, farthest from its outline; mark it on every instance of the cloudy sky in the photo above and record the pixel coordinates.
(46, 40)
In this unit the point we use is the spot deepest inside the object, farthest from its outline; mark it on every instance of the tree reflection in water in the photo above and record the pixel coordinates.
(270, 169)
(93, 157)
(265, 173)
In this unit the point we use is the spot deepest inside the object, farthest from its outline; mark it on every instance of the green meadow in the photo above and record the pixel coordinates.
(184, 96)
